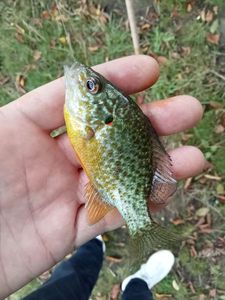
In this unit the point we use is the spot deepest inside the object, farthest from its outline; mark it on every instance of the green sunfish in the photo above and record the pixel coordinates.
(127, 165)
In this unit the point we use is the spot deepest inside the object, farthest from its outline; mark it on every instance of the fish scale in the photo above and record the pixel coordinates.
(125, 162)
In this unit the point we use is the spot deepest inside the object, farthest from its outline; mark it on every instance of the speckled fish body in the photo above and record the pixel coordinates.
(119, 150)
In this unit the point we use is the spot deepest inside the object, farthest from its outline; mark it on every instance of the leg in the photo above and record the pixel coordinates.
(137, 289)
(75, 278)
(137, 286)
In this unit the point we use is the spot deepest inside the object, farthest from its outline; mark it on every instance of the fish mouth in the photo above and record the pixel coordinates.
(74, 76)
(72, 72)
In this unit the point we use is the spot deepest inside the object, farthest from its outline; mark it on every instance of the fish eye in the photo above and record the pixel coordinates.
(93, 85)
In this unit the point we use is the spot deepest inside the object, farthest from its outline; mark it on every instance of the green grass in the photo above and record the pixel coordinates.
(37, 40)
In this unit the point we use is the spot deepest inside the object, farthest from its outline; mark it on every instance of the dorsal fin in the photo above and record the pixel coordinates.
(96, 208)
(163, 184)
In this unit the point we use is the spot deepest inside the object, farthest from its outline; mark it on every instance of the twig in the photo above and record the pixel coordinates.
(133, 26)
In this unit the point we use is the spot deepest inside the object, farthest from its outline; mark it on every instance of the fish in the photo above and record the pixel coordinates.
(126, 164)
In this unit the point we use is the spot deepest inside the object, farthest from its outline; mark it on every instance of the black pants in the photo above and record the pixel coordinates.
(75, 278)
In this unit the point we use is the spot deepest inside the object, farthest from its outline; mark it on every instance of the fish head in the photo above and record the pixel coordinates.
(90, 98)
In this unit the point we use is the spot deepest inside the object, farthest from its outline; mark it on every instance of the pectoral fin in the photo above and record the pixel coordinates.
(96, 208)
(163, 184)
(162, 188)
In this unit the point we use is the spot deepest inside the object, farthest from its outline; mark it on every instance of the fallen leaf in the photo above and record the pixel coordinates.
(220, 189)
(212, 293)
(104, 18)
(162, 60)
(219, 129)
(186, 137)
(174, 13)
(63, 40)
(45, 15)
(201, 297)
(93, 48)
(61, 18)
(187, 183)
(36, 55)
(175, 285)
(211, 252)
(193, 252)
(206, 230)
(37, 22)
(175, 55)
(179, 76)
(208, 165)
(52, 43)
(215, 9)
(206, 16)
(163, 296)
(186, 50)
(178, 221)
(20, 82)
(215, 26)
(189, 7)
(100, 297)
(202, 212)
(115, 291)
(216, 104)
(200, 222)
(54, 12)
(209, 16)
(20, 30)
(145, 27)
(213, 38)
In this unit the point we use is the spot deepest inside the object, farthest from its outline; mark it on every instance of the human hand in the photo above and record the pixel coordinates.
(42, 214)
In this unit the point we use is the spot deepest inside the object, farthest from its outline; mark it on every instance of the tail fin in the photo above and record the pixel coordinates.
(150, 238)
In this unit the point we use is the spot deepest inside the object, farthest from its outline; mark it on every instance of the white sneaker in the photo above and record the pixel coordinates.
(154, 270)
(99, 237)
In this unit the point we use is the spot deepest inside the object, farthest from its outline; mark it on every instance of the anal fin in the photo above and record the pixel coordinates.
(96, 208)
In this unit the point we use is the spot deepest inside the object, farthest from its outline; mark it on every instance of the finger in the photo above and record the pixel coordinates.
(174, 114)
(44, 105)
(66, 147)
(131, 74)
(188, 161)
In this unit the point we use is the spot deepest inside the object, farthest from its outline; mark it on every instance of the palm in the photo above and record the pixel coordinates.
(41, 189)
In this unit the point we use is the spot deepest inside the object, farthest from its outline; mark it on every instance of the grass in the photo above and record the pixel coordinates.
(39, 38)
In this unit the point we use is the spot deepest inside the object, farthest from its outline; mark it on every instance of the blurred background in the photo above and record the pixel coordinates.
(187, 37)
